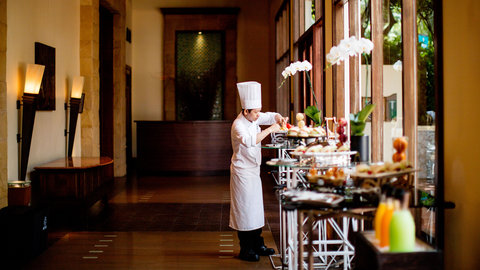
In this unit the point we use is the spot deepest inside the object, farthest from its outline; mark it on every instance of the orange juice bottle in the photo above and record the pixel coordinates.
(382, 206)
(385, 225)
(378, 218)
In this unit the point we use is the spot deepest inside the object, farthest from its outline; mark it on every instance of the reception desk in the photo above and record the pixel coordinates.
(193, 147)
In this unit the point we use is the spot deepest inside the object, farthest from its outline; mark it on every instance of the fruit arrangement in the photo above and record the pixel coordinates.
(342, 124)
(400, 144)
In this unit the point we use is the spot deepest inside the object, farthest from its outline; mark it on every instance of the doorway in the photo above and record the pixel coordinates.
(106, 82)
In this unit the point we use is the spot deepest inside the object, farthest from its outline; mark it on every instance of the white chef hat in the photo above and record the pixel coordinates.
(250, 95)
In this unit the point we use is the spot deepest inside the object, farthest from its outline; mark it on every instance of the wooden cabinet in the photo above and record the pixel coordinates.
(369, 257)
(72, 182)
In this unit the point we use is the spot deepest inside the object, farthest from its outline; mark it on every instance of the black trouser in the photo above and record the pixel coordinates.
(250, 240)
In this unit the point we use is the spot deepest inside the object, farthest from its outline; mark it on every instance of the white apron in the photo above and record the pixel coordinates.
(246, 203)
(246, 207)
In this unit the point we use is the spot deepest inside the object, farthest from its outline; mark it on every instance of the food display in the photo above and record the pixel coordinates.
(305, 132)
(333, 177)
(312, 197)
(400, 174)
(318, 148)
(382, 168)
(400, 144)
(301, 130)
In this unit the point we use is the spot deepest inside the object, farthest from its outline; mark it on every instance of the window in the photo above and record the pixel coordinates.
(400, 76)
(426, 114)
(282, 58)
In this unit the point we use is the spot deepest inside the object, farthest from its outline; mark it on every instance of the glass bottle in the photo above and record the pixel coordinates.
(402, 229)
(382, 206)
(385, 225)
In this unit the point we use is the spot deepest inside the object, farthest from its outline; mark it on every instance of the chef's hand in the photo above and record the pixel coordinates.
(274, 128)
(282, 121)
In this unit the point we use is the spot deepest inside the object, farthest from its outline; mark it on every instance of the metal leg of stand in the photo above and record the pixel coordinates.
(346, 257)
(300, 239)
(282, 179)
(282, 247)
(292, 246)
(310, 239)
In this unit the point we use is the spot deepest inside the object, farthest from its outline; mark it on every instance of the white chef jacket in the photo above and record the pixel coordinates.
(246, 203)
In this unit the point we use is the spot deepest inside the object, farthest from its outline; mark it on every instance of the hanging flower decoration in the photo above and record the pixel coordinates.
(398, 65)
(348, 47)
(296, 67)
(311, 111)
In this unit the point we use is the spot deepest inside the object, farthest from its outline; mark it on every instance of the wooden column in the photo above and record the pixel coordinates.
(317, 57)
(377, 80)
(354, 21)
(409, 38)
(338, 70)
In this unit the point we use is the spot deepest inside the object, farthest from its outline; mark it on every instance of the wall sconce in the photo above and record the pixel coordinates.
(76, 107)
(33, 80)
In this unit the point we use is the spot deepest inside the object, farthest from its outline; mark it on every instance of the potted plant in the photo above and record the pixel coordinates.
(358, 140)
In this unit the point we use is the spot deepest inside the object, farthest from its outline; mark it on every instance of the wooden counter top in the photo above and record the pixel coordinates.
(75, 163)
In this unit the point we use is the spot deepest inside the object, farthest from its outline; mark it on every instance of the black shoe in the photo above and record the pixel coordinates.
(249, 255)
(264, 251)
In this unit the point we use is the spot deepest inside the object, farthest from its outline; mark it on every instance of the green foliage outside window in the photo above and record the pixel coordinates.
(392, 48)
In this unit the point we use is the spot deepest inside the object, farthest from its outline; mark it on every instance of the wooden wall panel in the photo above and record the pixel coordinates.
(187, 146)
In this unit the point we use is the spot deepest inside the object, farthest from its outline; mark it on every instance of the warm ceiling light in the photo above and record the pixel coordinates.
(199, 33)
(33, 78)
(77, 87)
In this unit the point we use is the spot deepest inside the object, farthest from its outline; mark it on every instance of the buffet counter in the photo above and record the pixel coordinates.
(319, 210)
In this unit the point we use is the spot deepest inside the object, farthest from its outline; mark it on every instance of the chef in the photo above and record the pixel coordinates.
(246, 207)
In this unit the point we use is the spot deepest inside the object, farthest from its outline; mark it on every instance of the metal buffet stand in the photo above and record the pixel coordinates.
(315, 220)
(300, 223)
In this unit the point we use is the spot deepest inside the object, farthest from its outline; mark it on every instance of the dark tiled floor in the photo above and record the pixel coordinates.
(165, 209)
(173, 203)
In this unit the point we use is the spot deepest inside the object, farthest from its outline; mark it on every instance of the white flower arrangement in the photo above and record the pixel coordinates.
(349, 47)
(294, 67)
(398, 65)
(311, 111)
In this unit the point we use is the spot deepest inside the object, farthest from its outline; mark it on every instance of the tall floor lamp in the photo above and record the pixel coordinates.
(27, 107)
(76, 107)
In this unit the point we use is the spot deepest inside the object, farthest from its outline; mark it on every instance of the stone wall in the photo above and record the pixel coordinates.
(89, 68)
(3, 104)
(89, 64)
